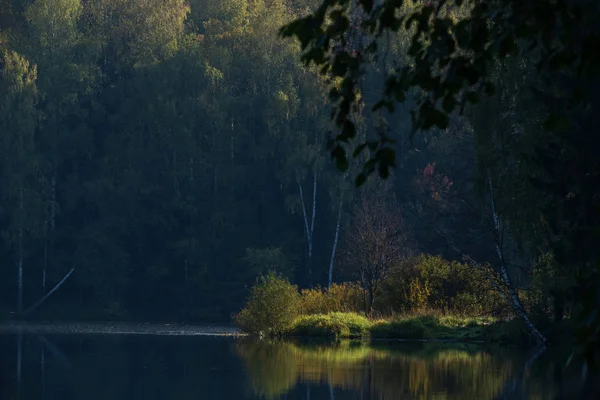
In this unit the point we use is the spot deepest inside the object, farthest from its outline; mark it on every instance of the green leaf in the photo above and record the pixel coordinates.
(461, 33)
(449, 103)
(359, 149)
(472, 97)
(489, 88)
(556, 122)
(348, 130)
(339, 155)
(360, 179)
(367, 5)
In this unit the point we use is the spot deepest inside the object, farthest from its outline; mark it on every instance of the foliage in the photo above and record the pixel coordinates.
(453, 47)
(551, 288)
(456, 49)
(146, 137)
(339, 297)
(336, 325)
(375, 243)
(423, 326)
(433, 283)
(434, 327)
(272, 307)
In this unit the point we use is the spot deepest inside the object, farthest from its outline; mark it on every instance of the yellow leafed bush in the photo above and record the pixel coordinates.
(343, 297)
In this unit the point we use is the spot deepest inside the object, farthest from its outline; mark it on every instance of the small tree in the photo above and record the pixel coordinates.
(273, 305)
(375, 242)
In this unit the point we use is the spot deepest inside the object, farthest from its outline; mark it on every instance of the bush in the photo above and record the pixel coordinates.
(272, 307)
(433, 283)
(338, 325)
(343, 297)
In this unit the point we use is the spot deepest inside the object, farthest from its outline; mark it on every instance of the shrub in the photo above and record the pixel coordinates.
(273, 305)
(344, 297)
(433, 283)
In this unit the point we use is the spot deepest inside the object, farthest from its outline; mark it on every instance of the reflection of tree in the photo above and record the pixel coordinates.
(272, 370)
(275, 367)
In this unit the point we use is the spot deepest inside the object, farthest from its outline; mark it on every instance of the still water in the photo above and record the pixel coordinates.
(126, 366)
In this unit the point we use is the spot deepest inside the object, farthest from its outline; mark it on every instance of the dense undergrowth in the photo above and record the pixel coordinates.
(433, 301)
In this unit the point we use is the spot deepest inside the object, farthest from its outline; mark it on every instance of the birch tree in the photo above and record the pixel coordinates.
(18, 159)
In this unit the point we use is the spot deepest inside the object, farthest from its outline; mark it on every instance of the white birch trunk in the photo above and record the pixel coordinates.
(312, 226)
(53, 203)
(19, 361)
(54, 289)
(44, 271)
(20, 256)
(231, 139)
(55, 352)
(307, 228)
(514, 296)
(335, 242)
(43, 362)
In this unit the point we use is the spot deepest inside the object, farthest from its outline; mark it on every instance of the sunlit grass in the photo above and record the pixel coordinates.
(427, 326)
(339, 325)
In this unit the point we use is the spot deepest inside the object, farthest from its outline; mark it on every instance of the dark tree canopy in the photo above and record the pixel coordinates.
(454, 45)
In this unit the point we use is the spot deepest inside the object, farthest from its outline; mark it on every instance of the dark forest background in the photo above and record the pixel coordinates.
(172, 151)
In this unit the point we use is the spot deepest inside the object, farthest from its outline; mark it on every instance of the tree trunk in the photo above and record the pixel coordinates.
(514, 296)
(558, 300)
(335, 242)
(20, 256)
(19, 361)
(54, 289)
(44, 271)
(371, 300)
(43, 362)
(312, 227)
(309, 229)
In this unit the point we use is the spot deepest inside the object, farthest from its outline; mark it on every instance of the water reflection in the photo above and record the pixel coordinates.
(384, 371)
(126, 367)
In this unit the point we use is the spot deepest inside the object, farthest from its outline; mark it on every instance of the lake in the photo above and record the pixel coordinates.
(170, 362)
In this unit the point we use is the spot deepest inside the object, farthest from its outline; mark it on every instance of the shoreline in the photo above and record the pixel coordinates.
(119, 328)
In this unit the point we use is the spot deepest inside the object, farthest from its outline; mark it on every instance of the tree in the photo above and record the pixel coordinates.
(375, 242)
(455, 46)
(19, 172)
(273, 305)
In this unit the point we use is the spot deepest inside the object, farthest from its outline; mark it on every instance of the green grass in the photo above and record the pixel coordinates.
(337, 324)
(351, 325)
(432, 327)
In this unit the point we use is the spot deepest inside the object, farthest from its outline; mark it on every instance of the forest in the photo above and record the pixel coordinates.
(161, 155)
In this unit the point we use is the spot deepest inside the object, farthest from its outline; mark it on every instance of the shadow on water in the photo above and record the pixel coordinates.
(125, 367)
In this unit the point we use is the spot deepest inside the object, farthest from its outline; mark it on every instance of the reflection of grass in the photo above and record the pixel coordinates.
(401, 370)
(350, 325)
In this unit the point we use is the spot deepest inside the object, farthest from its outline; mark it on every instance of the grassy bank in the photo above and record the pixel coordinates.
(414, 327)
(276, 308)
